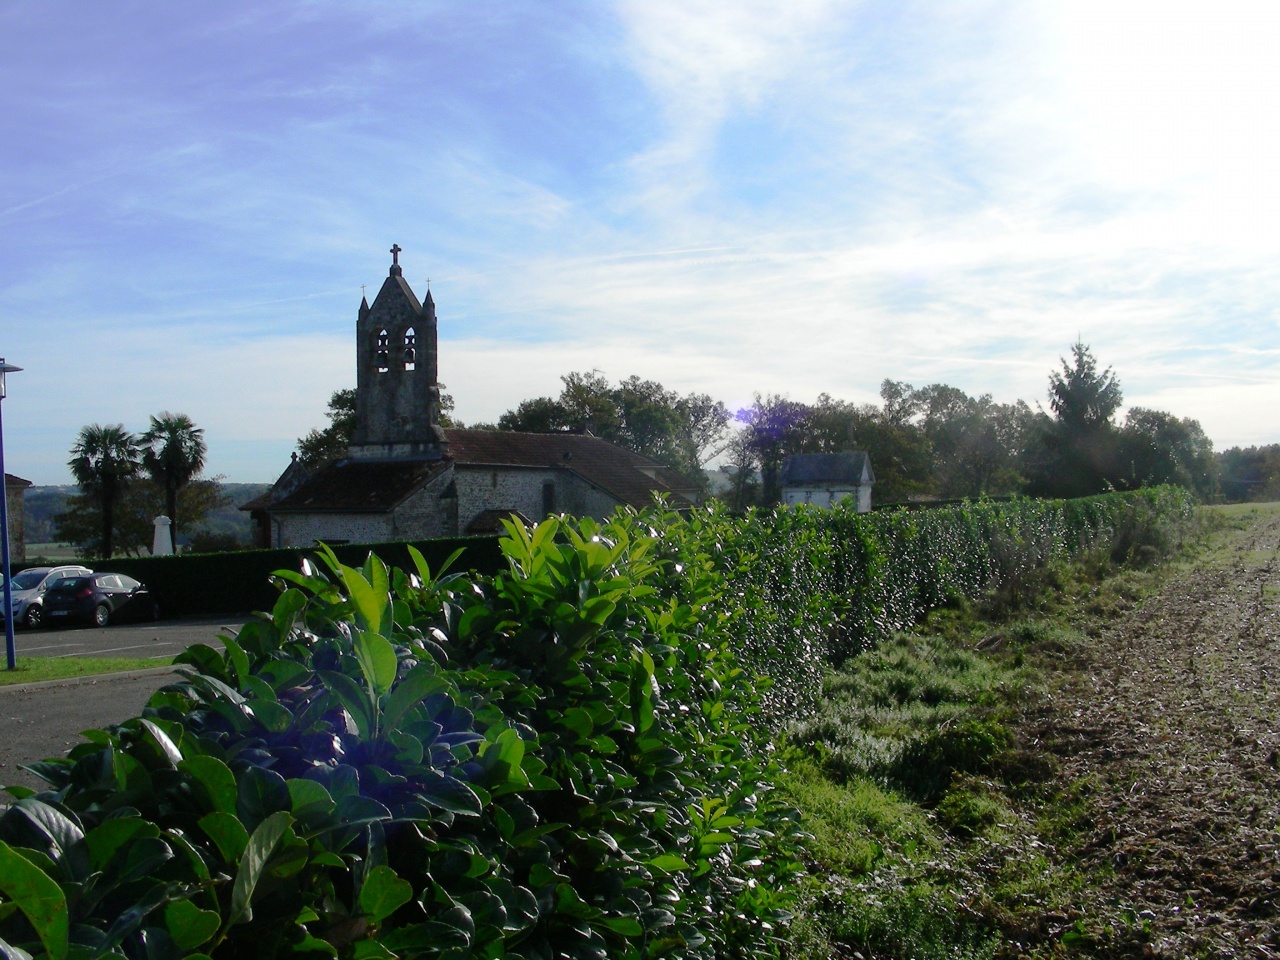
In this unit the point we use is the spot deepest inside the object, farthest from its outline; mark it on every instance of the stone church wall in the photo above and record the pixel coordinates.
(521, 488)
(304, 529)
(431, 512)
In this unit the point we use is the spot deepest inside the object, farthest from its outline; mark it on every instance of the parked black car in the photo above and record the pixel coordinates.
(100, 599)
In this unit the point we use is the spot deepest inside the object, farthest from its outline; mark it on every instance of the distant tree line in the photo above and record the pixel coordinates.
(934, 441)
(937, 441)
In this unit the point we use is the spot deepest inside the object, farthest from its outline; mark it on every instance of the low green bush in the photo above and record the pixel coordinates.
(566, 757)
(562, 760)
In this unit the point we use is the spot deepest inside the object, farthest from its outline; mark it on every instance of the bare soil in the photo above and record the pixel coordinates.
(1166, 722)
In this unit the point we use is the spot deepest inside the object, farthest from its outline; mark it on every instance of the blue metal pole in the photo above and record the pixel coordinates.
(10, 650)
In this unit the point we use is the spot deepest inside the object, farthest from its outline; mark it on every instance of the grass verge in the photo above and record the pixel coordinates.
(934, 831)
(33, 669)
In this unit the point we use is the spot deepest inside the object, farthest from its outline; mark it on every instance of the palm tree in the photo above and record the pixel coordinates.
(103, 460)
(173, 452)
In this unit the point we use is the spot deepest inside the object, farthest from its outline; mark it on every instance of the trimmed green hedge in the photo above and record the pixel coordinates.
(801, 586)
(569, 757)
(560, 760)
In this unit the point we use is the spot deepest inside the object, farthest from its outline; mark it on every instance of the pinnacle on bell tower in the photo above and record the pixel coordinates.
(397, 396)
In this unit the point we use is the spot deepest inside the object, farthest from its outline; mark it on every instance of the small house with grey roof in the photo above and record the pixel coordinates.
(824, 479)
(405, 477)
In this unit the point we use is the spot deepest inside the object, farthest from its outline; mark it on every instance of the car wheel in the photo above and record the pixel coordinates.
(34, 618)
(101, 615)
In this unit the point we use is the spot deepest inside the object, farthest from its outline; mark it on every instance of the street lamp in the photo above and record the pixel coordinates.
(10, 650)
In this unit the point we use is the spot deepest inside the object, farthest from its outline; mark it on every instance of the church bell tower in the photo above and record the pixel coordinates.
(397, 396)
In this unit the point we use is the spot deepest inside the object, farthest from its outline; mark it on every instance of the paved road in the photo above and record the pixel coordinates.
(165, 638)
(45, 720)
(41, 720)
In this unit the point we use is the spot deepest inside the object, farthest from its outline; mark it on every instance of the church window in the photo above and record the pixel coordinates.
(548, 498)
(381, 351)
(410, 349)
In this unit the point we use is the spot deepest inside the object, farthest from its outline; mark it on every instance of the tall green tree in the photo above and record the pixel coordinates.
(173, 454)
(1250, 473)
(641, 415)
(103, 461)
(1157, 447)
(776, 426)
(975, 444)
(319, 447)
(1078, 451)
(537, 415)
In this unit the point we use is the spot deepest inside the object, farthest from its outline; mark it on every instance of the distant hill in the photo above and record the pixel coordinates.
(42, 504)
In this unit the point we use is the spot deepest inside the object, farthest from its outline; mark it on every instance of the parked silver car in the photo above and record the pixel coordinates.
(28, 588)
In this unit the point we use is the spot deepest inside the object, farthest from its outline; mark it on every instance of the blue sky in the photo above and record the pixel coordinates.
(728, 197)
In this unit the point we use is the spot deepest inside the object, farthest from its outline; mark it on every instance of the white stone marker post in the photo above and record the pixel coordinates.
(162, 542)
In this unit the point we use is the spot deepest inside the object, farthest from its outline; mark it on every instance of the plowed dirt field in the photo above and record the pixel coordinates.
(1170, 715)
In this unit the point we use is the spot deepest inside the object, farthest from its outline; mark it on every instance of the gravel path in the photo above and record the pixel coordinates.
(1173, 719)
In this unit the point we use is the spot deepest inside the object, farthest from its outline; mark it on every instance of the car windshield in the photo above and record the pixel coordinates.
(28, 579)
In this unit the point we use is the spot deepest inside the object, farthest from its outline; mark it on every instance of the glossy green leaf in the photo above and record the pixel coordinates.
(274, 717)
(41, 826)
(284, 613)
(354, 810)
(204, 659)
(668, 863)
(106, 840)
(228, 833)
(309, 801)
(415, 686)
(189, 925)
(237, 659)
(424, 939)
(377, 661)
(143, 857)
(38, 897)
(261, 793)
(130, 919)
(370, 604)
(262, 844)
(624, 926)
(354, 699)
(384, 893)
(450, 794)
(215, 779)
(371, 950)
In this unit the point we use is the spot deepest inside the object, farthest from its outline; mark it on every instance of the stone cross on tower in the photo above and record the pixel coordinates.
(395, 254)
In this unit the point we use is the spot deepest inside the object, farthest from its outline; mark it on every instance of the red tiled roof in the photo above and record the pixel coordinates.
(376, 486)
(360, 486)
(619, 472)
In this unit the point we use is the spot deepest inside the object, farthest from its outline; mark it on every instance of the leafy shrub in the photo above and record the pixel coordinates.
(558, 760)
(565, 758)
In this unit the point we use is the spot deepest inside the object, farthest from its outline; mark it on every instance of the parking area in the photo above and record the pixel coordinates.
(162, 639)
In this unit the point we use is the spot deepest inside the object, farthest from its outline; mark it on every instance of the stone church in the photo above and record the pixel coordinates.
(407, 478)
